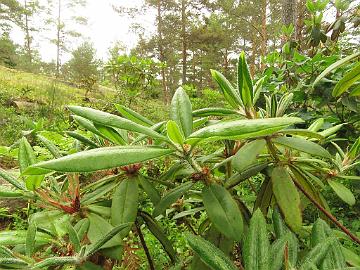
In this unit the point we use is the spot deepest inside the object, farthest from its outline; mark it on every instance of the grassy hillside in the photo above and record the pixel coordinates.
(32, 101)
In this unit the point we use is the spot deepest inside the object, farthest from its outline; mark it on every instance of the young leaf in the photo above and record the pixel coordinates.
(230, 94)
(99, 159)
(303, 145)
(245, 86)
(256, 249)
(26, 154)
(343, 192)
(287, 197)
(124, 205)
(247, 155)
(171, 197)
(223, 211)
(11, 180)
(174, 133)
(112, 120)
(82, 139)
(316, 125)
(210, 254)
(181, 111)
(241, 129)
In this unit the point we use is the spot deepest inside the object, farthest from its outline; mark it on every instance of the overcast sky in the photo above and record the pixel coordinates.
(105, 26)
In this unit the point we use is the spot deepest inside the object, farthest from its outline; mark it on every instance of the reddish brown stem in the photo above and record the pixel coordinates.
(329, 215)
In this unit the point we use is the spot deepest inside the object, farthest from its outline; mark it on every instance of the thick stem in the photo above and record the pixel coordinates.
(326, 213)
(143, 243)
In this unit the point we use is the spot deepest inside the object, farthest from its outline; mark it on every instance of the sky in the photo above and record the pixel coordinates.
(105, 26)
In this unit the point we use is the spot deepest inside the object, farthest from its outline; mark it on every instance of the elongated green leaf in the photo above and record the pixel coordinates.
(303, 145)
(6, 192)
(125, 202)
(50, 146)
(335, 66)
(229, 92)
(251, 171)
(99, 159)
(188, 212)
(82, 139)
(355, 92)
(347, 81)
(100, 227)
(150, 189)
(330, 131)
(335, 258)
(107, 238)
(73, 237)
(287, 197)
(240, 129)
(111, 134)
(82, 227)
(247, 155)
(30, 239)
(133, 116)
(343, 192)
(245, 86)
(278, 252)
(11, 180)
(12, 238)
(13, 262)
(316, 125)
(209, 254)
(112, 120)
(355, 149)
(55, 261)
(174, 133)
(223, 211)
(256, 250)
(303, 133)
(158, 232)
(85, 123)
(26, 154)
(213, 112)
(181, 111)
(317, 254)
(171, 197)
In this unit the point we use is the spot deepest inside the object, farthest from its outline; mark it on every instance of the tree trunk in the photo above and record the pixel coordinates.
(27, 34)
(183, 37)
(58, 40)
(263, 31)
(288, 12)
(161, 53)
(300, 19)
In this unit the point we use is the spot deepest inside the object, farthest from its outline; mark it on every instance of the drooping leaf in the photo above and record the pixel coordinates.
(150, 189)
(343, 192)
(287, 197)
(84, 140)
(124, 205)
(50, 146)
(223, 211)
(303, 145)
(11, 180)
(99, 159)
(247, 155)
(256, 251)
(181, 111)
(210, 254)
(158, 232)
